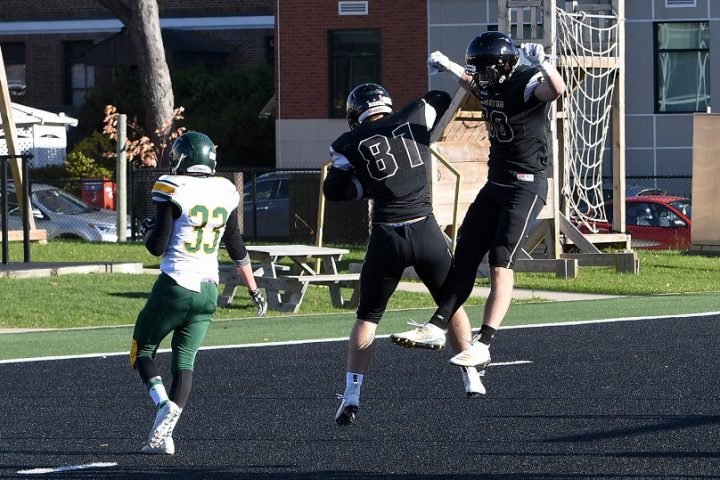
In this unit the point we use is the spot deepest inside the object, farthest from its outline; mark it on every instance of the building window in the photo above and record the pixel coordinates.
(680, 3)
(14, 59)
(683, 67)
(354, 59)
(79, 77)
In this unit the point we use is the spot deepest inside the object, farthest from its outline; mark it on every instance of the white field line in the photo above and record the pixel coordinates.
(342, 339)
(67, 468)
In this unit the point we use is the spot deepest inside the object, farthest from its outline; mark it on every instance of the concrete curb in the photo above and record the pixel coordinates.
(519, 293)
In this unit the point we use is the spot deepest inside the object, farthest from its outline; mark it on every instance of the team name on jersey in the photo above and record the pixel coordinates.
(493, 103)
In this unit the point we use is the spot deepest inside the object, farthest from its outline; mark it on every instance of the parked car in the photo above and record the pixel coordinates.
(64, 215)
(266, 206)
(654, 221)
(632, 191)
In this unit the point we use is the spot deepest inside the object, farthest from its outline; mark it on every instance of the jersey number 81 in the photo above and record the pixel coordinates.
(381, 161)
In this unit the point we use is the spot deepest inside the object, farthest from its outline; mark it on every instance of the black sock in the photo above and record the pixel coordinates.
(180, 388)
(440, 319)
(487, 333)
(146, 368)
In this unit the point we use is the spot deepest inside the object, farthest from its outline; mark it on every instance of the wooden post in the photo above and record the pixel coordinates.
(618, 125)
(11, 139)
(121, 178)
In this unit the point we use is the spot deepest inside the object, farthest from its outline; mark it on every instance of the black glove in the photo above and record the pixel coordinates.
(147, 225)
(259, 300)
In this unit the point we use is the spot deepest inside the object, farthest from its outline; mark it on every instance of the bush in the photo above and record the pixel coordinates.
(79, 165)
(94, 146)
(222, 104)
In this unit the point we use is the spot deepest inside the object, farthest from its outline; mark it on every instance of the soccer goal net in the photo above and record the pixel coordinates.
(588, 49)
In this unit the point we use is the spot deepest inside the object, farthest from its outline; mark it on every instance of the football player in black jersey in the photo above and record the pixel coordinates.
(515, 99)
(385, 156)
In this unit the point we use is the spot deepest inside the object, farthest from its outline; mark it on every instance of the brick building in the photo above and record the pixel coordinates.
(325, 47)
(45, 44)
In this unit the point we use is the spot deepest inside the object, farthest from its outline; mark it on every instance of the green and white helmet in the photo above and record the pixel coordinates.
(193, 153)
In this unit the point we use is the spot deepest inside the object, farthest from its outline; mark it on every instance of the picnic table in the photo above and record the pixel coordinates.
(286, 271)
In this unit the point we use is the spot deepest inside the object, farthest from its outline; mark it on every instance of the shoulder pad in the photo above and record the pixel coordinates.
(164, 189)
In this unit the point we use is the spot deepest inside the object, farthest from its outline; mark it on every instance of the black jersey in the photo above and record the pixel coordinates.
(518, 132)
(391, 159)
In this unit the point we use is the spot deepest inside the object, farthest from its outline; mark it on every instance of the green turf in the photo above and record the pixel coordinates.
(302, 327)
(94, 300)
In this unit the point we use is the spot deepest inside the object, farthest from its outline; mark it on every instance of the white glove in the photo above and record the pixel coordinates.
(439, 62)
(534, 53)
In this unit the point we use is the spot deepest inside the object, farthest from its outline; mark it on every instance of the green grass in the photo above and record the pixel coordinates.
(660, 272)
(669, 283)
(337, 325)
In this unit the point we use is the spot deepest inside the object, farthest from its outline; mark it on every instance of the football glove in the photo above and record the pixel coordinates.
(439, 62)
(147, 225)
(259, 300)
(534, 53)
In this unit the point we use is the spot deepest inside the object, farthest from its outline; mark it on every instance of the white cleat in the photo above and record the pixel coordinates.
(476, 355)
(349, 406)
(160, 436)
(165, 447)
(473, 384)
(426, 336)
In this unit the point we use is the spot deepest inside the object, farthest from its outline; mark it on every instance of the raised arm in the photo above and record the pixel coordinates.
(552, 85)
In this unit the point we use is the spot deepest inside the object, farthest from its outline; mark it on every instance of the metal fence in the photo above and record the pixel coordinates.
(277, 205)
(680, 185)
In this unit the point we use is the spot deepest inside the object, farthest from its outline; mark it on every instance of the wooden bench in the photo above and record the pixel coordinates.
(285, 293)
(35, 235)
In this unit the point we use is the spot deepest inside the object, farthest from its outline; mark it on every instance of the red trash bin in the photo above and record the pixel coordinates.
(99, 192)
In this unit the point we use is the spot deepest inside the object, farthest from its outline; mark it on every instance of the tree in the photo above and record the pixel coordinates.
(142, 21)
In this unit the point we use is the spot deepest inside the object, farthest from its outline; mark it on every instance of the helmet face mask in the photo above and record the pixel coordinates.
(193, 153)
(366, 100)
(490, 58)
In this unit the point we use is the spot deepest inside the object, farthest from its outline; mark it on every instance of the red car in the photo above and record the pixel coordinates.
(654, 222)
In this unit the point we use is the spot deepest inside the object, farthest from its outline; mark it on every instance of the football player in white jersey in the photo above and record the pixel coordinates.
(195, 210)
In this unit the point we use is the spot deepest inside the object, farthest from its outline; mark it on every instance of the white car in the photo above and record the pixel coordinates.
(64, 215)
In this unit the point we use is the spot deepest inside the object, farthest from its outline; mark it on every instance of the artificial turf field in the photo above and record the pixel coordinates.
(604, 400)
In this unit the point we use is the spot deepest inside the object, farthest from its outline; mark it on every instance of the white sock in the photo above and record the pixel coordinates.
(157, 391)
(353, 380)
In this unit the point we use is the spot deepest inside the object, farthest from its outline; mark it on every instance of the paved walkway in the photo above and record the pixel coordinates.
(518, 293)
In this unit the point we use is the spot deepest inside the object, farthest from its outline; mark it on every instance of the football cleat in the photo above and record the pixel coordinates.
(165, 447)
(426, 335)
(473, 384)
(349, 406)
(476, 355)
(165, 420)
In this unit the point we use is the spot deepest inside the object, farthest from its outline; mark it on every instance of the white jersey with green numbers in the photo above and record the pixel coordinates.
(206, 203)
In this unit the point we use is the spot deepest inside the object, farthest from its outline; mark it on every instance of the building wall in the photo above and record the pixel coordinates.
(303, 130)
(656, 144)
(660, 143)
(25, 10)
(44, 50)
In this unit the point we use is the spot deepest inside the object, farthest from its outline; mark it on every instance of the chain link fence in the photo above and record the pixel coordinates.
(680, 185)
(277, 206)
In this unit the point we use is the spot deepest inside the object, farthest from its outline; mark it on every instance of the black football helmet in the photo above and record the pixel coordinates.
(491, 57)
(193, 153)
(366, 100)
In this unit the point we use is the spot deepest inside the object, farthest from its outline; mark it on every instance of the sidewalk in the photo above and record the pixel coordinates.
(518, 293)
